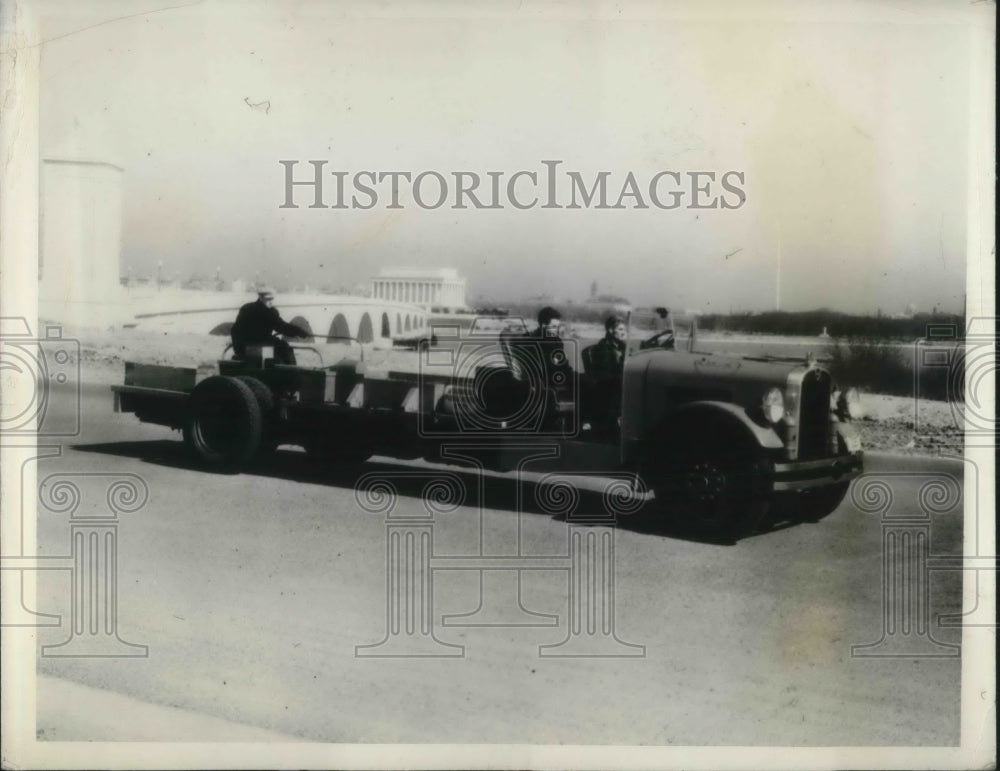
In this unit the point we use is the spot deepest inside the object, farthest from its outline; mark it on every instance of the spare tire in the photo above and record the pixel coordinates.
(224, 423)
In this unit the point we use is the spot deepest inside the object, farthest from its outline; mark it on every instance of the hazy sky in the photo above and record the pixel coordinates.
(851, 132)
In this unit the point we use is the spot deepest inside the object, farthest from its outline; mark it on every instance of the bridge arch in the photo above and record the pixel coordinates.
(303, 323)
(339, 329)
(365, 332)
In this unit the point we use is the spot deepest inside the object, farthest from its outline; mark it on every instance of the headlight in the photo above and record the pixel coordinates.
(773, 405)
(849, 405)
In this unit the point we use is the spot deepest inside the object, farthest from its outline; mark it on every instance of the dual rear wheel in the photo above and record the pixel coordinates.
(225, 422)
(231, 420)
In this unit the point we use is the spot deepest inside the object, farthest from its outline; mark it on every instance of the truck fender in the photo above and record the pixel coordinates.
(765, 437)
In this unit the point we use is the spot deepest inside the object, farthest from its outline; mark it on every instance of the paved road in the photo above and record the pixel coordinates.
(252, 592)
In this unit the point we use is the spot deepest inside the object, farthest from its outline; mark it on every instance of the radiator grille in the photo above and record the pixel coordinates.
(814, 415)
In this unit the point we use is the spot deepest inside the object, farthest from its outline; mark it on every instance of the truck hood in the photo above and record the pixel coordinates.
(697, 376)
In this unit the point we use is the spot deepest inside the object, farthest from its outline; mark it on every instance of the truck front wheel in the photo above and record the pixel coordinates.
(224, 425)
(715, 484)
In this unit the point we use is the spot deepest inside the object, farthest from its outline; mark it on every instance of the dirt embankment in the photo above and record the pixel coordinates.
(891, 424)
(906, 425)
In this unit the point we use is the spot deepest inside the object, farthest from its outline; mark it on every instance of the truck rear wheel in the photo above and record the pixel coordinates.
(224, 424)
(265, 401)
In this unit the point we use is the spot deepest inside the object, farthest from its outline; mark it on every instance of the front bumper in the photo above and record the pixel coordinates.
(801, 475)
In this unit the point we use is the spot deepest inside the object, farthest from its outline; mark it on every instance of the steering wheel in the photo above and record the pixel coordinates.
(663, 339)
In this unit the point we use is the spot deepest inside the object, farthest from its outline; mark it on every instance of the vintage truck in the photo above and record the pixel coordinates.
(717, 439)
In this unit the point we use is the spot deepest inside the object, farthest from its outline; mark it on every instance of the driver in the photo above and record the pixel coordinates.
(663, 332)
(256, 324)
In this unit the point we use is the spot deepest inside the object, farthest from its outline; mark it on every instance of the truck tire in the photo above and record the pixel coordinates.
(712, 480)
(224, 424)
(265, 401)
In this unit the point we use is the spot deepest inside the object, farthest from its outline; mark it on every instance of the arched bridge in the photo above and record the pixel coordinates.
(327, 318)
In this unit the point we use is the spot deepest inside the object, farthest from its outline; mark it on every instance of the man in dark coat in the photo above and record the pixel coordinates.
(608, 355)
(549, 322)
(542, 356)
(604, 362)
(256, 324)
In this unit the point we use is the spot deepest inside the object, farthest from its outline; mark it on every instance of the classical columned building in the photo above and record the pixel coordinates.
(430, 288)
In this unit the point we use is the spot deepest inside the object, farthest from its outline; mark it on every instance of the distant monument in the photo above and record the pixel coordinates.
(437, 288)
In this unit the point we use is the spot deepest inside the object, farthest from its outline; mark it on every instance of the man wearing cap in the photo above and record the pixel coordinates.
(256, 324)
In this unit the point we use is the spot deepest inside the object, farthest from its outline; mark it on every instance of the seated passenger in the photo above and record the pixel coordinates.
(256, 324)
